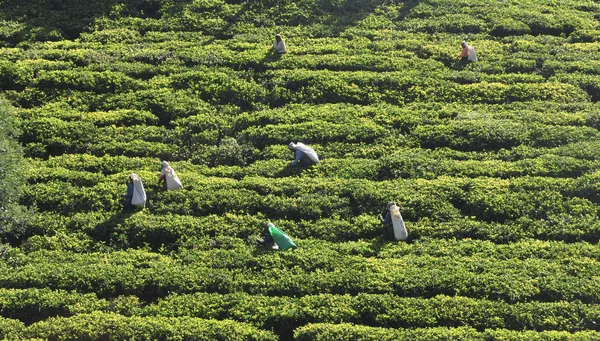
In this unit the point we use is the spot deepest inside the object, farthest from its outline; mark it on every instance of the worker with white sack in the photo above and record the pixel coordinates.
(467, 53)
(167, 174)
(279, 45)
(394, 222)
(305, 155)
(136, 195)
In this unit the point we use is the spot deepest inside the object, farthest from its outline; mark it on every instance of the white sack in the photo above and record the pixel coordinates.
(312, 155)
(171, 178)
(472, 56)
(139, 194)
(400, 232)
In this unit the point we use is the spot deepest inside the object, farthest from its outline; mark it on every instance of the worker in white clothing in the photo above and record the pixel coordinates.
(279, 45)
(467, 53)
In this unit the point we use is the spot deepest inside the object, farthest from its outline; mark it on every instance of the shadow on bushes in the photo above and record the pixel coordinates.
(60, 19)
(290, 170)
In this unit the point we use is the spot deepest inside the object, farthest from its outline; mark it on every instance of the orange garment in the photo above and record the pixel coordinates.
(465, 52)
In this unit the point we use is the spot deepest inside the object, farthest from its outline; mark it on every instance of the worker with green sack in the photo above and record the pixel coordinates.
(276, 239)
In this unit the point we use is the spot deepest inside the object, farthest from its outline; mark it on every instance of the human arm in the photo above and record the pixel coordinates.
(129, 193)
(388, 219)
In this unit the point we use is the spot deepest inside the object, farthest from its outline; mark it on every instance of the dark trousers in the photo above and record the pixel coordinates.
(267, 239)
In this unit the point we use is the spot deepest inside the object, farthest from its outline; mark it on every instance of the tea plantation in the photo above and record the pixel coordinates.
(494, 164)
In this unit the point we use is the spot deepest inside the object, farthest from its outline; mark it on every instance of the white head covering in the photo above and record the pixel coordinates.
(171, 179)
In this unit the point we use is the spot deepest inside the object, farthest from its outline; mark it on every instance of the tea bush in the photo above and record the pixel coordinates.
(358, 332)
(98, 325)
(493, 165)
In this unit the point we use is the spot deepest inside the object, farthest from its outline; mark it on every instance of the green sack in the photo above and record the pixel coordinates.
(281, 239)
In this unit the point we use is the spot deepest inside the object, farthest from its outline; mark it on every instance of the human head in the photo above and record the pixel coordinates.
(278, 37)
(463, 44)
(292, 146)
(390, 204)
(165, 164)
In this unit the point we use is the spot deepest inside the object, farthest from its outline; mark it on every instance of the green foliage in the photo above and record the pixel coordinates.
(346, 331)
(521, 273)
(84, 81)
(384, 310)
(493, 164)
(14, 218)
(31, 305)
(99, 326)
(11, 328)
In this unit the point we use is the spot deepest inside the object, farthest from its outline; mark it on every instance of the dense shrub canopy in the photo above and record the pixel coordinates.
(494, 165)
(13, 216)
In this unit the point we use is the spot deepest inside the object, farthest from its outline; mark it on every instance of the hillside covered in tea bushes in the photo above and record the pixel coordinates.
(493, 163)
